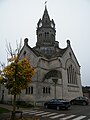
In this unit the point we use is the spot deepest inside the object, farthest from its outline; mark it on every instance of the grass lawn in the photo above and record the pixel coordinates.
(3, 110)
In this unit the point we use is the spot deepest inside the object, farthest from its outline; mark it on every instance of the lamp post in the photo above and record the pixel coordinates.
(55, 82)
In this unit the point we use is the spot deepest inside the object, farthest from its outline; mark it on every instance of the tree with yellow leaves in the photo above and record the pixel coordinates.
(16, 76)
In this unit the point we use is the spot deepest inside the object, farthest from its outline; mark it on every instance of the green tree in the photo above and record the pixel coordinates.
(16, 76)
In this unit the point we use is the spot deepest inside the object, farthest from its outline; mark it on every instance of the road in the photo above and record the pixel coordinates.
(76, 112)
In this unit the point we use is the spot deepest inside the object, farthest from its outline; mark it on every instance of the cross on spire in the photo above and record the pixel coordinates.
(45, 2)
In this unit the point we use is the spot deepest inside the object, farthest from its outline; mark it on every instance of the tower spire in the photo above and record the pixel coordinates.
(45, 4)
(45, 30)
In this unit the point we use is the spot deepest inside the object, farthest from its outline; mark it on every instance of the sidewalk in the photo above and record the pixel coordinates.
(10, 107)
(4, 116)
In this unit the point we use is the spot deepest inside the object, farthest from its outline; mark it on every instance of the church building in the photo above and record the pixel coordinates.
(57, 70)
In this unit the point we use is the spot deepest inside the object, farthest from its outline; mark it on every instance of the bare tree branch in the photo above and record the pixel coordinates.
(2, 65)
(13, 53)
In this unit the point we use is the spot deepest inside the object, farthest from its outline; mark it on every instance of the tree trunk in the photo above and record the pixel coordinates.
(13, 117)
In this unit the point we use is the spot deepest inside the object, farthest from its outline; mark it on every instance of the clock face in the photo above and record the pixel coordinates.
(52, 25)
(40, 24)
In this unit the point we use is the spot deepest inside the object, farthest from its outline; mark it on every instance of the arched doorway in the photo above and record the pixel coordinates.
(54, 75)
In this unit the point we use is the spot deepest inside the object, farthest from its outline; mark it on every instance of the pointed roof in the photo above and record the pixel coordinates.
(45, 15)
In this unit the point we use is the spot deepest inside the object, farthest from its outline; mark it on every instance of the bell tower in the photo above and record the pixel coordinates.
(45, 31)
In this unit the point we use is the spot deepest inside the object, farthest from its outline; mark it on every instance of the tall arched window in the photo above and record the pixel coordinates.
(43, 89)
(71, 75)
(45, 34)
(75, 78)
(68, 75)
(49, 90)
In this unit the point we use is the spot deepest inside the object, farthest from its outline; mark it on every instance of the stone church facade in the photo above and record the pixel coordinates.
(57, 70)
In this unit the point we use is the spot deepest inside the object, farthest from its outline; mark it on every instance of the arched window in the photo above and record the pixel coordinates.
(52, 37)
(71, 75)
(75, 78)
(46, 90)
(29, 90)
(68, 75)
(26, 90)
(49, 90)
(70, 54)
(43, 89)
(45, 34)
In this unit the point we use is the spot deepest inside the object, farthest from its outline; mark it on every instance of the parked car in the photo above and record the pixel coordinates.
(80, 101)
(57, 104)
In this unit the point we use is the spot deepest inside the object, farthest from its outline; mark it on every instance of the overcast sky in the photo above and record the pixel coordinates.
(18, 20)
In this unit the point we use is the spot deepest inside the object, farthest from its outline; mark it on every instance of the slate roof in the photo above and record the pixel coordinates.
(56, 54)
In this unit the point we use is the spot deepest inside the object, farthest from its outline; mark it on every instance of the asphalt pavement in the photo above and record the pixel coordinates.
(76, 112)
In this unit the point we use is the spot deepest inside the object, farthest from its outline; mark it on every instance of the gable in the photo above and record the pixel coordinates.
(29, 54)
(70, 56)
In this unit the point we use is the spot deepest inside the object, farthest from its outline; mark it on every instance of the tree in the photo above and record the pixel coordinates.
(16, 76)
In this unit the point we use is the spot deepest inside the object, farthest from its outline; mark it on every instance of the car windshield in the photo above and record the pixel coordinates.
(53, 100)
(81, 98)
(62, 100)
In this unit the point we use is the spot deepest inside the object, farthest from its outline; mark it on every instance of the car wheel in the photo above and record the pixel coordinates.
(84, 103)
(46, 106)
(66, 108)
(58, 108)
